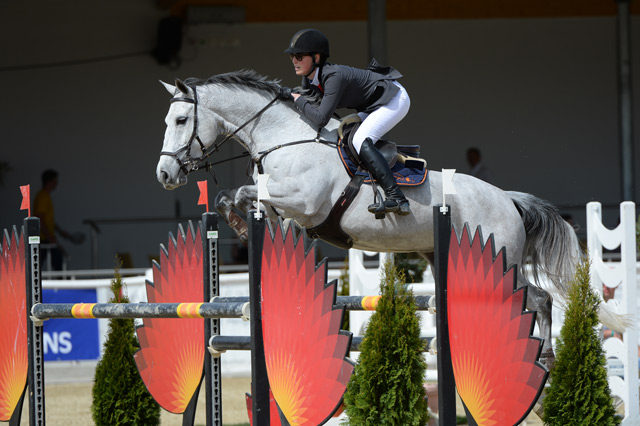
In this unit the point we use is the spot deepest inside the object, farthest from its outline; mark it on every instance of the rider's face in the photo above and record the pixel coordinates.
(302, 64)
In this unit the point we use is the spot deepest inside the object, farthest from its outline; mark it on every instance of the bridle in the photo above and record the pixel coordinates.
(189, 164)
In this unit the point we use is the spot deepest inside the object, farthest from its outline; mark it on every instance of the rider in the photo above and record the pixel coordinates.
(380, 100)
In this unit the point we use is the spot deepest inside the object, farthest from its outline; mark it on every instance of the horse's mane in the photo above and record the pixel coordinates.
(242, 78)
(251, 79)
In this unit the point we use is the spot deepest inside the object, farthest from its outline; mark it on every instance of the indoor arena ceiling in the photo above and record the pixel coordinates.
(346, 10)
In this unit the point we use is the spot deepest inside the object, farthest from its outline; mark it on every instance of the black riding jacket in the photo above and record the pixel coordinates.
(342, 86)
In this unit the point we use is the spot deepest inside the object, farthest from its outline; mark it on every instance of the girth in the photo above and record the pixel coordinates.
(330, 230)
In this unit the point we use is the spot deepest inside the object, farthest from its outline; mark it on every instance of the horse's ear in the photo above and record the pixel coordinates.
(182, 87)
(171, 89)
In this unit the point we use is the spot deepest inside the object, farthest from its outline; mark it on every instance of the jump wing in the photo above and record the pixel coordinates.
(171, 355)
(13, 324)
(494, 355)
(305, 350)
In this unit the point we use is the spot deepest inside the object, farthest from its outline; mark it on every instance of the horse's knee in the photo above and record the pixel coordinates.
(244, 198)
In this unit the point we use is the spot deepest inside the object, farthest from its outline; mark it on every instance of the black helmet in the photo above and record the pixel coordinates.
(309, 41)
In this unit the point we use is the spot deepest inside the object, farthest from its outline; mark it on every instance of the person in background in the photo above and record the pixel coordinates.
(43, 209)
(477, 169)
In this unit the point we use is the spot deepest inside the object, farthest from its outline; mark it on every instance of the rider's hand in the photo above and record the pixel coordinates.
(285, 93)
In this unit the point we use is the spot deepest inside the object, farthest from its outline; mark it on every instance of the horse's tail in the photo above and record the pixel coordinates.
(551, 244)
(553, 249)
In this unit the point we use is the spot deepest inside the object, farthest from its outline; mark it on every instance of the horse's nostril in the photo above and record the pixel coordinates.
(165, 176)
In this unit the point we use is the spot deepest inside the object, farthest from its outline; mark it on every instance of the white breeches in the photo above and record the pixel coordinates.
(380, 121)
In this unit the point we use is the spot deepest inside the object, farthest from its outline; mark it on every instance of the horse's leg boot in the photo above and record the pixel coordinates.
(395, 201)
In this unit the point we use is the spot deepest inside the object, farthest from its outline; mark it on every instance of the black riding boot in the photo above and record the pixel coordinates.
(377, 165)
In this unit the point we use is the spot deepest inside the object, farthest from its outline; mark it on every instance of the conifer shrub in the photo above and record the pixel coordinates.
(119, 395)
(387, 384)
(579, 393)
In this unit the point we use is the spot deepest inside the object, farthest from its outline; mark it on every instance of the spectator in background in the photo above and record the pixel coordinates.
(43, 209)
(476, 168)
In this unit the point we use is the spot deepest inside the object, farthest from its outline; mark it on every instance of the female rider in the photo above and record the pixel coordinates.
(380, 100)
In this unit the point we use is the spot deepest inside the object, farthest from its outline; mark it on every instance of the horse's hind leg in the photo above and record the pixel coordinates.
(539, 300)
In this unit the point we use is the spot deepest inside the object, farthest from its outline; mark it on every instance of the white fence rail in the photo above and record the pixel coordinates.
(623, 277)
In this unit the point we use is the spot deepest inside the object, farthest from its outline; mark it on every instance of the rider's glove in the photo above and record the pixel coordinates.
(285, 93)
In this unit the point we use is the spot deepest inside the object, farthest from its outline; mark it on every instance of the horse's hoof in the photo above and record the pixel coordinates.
(548, 359)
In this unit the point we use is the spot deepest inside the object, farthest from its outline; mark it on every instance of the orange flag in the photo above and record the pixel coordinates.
(26, 198)
(204, 194)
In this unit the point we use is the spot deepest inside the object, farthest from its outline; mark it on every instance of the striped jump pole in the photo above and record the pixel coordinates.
(350, 303)
(43, 311)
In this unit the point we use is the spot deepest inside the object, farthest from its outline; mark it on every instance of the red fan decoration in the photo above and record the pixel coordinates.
(274, 415)
(13, 318)
(171, 355)
(494, 356)
(305, 350)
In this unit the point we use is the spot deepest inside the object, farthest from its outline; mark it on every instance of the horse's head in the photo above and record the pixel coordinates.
(185, 142)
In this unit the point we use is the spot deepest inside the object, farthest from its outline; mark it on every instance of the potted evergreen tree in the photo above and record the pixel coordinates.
(579, 393)
(119, 395)
(387, 384)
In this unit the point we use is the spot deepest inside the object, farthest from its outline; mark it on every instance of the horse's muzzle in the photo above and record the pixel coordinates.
(170, 180)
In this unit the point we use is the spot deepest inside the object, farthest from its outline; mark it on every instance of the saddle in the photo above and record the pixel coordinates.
(407, 168)
(393, 153)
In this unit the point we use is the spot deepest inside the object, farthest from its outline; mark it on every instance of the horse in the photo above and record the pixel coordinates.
(307, 178)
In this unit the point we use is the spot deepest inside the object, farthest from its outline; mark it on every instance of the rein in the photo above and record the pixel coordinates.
(190, 164)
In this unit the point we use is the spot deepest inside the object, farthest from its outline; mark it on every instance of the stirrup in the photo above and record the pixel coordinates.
(387, 206)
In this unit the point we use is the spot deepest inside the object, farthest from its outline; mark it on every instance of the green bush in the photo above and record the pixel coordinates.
(119, 395)
(579, 393)
(387, 384)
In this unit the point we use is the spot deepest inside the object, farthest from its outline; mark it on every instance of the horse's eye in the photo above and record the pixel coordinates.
(180, 121)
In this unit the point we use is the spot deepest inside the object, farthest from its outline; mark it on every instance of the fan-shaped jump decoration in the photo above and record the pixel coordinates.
(171, 355)
(13, 318)
(305, 350)
(494, 356)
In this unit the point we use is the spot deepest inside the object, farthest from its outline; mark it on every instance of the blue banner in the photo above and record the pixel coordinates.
(71, 339)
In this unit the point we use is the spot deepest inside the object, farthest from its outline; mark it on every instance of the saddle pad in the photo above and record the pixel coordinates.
(405, 176)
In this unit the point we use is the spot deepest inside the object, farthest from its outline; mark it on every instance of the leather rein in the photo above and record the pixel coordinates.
(189, 163)
(329, 230)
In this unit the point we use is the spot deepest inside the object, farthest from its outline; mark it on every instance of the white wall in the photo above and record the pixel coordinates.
(538, 96)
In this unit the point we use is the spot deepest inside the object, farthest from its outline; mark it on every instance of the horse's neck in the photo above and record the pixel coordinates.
(278, 124)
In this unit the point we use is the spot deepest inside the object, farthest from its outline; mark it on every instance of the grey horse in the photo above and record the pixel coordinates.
(307, 178)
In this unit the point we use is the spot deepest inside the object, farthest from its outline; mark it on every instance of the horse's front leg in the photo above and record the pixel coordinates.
(242, 198)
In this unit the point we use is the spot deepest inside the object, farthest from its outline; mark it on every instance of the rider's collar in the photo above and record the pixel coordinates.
(316, 77)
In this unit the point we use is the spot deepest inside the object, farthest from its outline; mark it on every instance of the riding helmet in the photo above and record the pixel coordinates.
(309, 41)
